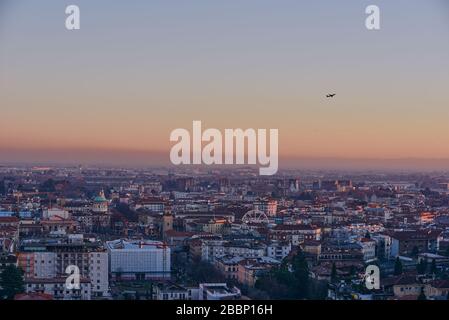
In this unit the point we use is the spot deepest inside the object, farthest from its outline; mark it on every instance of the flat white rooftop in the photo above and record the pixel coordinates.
(133, 244)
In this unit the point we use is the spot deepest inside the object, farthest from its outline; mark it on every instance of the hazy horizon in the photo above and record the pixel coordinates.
(139, 159)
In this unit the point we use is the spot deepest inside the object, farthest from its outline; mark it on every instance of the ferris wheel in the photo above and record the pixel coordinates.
(255, 216)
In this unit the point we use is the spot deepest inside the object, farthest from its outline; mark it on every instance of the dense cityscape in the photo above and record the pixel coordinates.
(220, 234)
(224, 159)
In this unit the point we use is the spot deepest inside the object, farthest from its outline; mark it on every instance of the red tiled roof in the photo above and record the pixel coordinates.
(33, 296)
(174, 233)
(416, 235)
(439, 284)
(9, 219)
(294, 227)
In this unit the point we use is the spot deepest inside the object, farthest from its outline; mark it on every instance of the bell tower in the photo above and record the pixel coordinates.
(167, 222)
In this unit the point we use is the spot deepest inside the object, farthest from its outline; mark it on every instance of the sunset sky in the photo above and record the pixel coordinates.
(114, 90)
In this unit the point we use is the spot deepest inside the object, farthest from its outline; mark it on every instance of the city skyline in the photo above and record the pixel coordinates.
(152, 235)
(223, 158)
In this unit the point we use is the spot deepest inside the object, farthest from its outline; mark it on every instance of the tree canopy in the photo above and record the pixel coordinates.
(398, 267)
(11, 282)
(289, 281)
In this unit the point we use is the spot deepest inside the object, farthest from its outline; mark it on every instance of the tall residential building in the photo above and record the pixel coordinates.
(43, 260)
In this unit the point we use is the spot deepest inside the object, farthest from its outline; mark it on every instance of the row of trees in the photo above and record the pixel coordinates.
(421, 267)
(291, 280)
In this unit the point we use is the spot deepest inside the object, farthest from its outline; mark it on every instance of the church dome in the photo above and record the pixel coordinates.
(100, 203)
(100, 197)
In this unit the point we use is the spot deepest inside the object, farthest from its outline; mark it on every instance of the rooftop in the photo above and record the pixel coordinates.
(134, 244)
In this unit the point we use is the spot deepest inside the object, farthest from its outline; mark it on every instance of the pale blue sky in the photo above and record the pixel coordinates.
(147, 67)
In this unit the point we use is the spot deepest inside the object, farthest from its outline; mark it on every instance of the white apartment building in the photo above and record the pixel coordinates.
(368, 249)
(172, 291)
(43, 262)
(57, 288)
(151, 205)
(99, 273)
(138, 260)
(44, 265)
(279, 250)
(384, 243)
(212, 249)
(55, 213)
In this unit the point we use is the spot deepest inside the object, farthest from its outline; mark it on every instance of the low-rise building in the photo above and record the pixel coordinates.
(138, 260)
(407, 242)
(250, 270)
(279, 250)
(58, 289)
(173, 291)
(218, 291)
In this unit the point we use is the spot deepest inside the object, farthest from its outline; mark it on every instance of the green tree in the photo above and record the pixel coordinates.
(398, 267)
(11, 282)
(200, 271)
(291, 280)
(334, 273)
(301, 274)
(433, 267)
(118, 275)
(272, 284)
(421, 267)
(422, 295)
(318, 289)
(48, 186)
(353, 271)
(256, 294)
